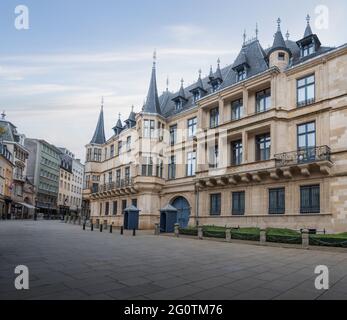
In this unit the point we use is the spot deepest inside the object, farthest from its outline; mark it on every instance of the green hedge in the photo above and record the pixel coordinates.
(329, 240)
(189, 231)
(247, 234)
(283, 236)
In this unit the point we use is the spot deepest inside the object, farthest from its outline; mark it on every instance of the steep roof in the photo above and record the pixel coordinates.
(152, 104)
(99, 134)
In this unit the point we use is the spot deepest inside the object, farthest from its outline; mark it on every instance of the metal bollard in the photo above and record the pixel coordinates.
(100, 227)
(84, 226)
(121, 230)
(91, 227)
(134, 232)
(157, 229)
(111, 228)
(177, 230)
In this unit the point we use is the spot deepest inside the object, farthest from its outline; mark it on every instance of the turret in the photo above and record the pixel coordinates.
(279, 55)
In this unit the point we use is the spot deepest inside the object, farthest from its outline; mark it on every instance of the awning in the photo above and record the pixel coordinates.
(29, 206)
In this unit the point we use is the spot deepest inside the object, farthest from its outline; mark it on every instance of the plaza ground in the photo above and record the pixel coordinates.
(66, 262)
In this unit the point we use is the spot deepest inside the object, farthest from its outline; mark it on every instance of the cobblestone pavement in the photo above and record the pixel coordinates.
(66, 262)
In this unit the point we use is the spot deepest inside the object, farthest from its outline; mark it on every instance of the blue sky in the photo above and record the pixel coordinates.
(53, 75)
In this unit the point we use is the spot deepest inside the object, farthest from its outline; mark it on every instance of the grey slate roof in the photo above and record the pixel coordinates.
(9, 131)
(152, 104)
(251, 54)
(99, 134)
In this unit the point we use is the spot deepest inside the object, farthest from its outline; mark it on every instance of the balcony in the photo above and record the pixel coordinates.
(19, 177)
(304, 156)
(120, 187)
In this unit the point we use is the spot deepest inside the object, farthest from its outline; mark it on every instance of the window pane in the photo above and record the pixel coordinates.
(310, 92)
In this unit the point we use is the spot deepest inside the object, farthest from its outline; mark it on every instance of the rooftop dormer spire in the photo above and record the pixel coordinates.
(279, 43)
(308, 30)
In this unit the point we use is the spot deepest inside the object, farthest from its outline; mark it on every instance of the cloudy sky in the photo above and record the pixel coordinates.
(52, 76)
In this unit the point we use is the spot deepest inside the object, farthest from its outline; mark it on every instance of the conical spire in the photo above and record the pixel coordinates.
(131, 121)
(200, 83)
(218, 74)
(308, 31)
(99, 134)
(279, 43)
(152, 104)
(182, 93)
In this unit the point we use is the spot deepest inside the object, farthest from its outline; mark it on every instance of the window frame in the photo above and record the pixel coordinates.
(238, 197)
(305, 86)
(238, 106)
(214, 118)
(236, 152)
(280, 207)
(263, 97)
(192, 125)
(262, 140)
(191, 164)
(310, 209)
(218, 203)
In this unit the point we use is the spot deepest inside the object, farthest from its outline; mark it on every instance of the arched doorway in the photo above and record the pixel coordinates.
(183, 211)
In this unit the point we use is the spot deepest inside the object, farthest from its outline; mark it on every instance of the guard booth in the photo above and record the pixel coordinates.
(131, 218)
(168, 219)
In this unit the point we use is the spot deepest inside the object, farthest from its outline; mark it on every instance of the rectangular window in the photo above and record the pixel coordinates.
(238, 203)
(128, 143)
(214, 157)
(263, 100)
(277, 201)
(107, 208)
(120, 145)
(241, 75)
(307, 50)
(192, 127)
(147, 167)
(215, 204)
(306, 142)
(124, 205)
(236, 149)
(110, 177)
(118, 178)
(310, 199)
(115, 207)
(127, 175)
(263, 147)
(146, 128)
(173, 135)
(306, 91)
(172, 168)
(160, 167)
(237, 109)
(214, 118)
(191, 164)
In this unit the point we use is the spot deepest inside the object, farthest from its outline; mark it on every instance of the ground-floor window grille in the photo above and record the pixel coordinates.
(277, 201)
(310, 199)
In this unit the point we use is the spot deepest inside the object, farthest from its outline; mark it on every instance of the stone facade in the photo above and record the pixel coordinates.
(276, 182)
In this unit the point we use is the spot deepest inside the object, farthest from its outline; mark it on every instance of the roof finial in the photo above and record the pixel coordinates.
(119, 115)
(218, 62)
(200, 72)
(102, 102)
(287, 35)
(256, 31)
(308, 19)
(182, 82)
(132, 108)
(244, 37)
(3, 115)
(154, 57)
(279, 24)
(167, 83)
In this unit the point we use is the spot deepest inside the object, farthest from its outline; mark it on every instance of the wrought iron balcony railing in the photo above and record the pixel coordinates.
(302, 156)
(119, 184)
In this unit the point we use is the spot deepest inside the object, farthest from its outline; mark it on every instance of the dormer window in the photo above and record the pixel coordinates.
(215, 86)
(196, 95)
(308, 49)
(242, 75)
(178, 104)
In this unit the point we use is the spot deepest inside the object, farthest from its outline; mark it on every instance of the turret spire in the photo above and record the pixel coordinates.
(308, 30)
(99, 134)
(152, 104)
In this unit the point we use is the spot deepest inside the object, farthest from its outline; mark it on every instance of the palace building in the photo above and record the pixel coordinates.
(259, 143)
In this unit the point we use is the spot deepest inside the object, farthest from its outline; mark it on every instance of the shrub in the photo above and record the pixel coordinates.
(283, 236)
(329, 240)
(188, 231)
(249, 234)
